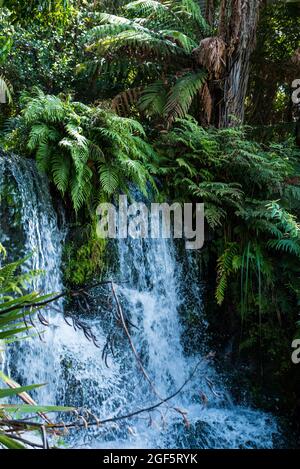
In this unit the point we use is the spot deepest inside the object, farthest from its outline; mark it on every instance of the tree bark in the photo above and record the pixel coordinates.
(237, 28)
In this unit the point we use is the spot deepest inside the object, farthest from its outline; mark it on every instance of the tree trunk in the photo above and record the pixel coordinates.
(237, 28)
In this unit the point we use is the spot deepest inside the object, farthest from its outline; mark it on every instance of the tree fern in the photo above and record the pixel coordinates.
(156, 33)
(182, 94)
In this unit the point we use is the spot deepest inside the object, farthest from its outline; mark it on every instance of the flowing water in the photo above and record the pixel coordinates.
(153, 289)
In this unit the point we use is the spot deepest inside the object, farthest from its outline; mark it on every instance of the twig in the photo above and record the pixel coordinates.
(151, 408)
(54, 298)
(139, 361)
(140, 364)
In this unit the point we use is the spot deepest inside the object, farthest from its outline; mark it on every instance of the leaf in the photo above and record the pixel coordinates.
(5, 90)
(10, 443)
(28, 409)
(109, 179)
(12, 392)
(182, 94)
(12, 332)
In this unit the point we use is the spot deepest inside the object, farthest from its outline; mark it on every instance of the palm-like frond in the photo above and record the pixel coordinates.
(154, 98)
(140, 43)
(150, 35)
(190, 10)
(182, 94)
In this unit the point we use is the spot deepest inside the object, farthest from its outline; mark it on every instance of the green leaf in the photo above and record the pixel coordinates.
(19, 390)
(27, 409)
(10, 443)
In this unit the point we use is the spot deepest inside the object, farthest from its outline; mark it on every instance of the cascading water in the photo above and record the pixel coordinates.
(29, 225)
(74, 368)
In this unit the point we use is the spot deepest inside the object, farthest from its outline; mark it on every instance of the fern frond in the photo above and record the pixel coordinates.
(225, 267)
(39, 133)
(190, 10)
(182, 94)
(154, 98)
(109, 179)
(214, 215)
(149, 8)
(81, 187)
(60, 167)
(183, 40)
(139, 42)
(290, 246)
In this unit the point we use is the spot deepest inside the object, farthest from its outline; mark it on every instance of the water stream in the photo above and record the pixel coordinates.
(152, 295)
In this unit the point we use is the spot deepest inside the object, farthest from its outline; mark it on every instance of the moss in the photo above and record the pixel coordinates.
(84, 256)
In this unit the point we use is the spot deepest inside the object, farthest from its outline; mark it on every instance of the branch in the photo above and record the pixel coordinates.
(55, 298)
(31, 425)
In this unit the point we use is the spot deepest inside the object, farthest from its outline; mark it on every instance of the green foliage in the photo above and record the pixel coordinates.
(5, 47)
(36, 55)
(227, 262)
(273, 71)
(250, 194)
(140, 54)
(38, 10)
(151, 44)
(89, 153)
(84, 257)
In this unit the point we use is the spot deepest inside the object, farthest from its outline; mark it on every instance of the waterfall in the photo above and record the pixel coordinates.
(29, 225)
(151, 293)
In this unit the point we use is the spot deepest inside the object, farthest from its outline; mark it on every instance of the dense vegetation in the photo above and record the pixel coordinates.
(107, 94)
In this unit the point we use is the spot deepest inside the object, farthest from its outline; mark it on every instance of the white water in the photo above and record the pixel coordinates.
(75, 371)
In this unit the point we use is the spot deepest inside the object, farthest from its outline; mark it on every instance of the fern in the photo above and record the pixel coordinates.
(290, 246)
(148, 37)
(225, 268)
(81, 146)
(182, 94)
(109, 179)
(150, 8)
(154, 98)
(250, 207)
